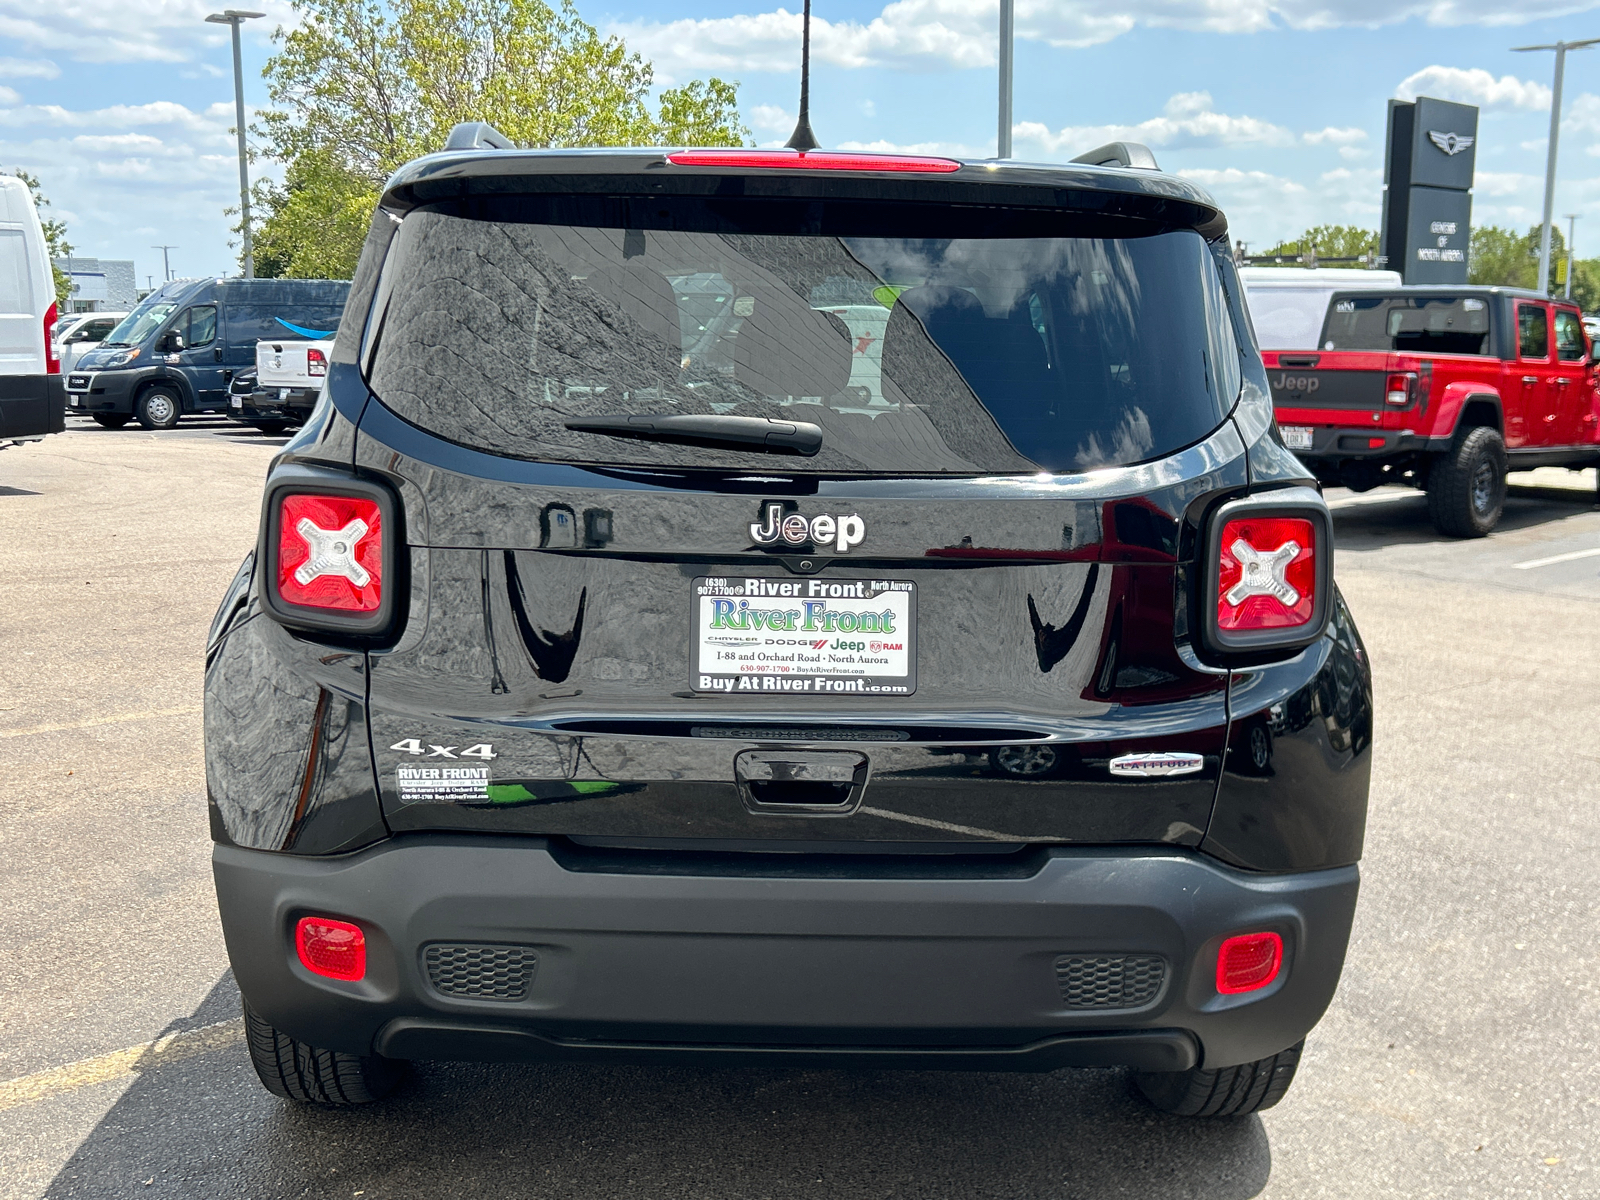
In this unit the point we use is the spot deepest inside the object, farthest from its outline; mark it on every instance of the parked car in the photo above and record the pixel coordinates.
(1287, 304)
(292, 374)
(1441, 388)
(178, 350)
(250, 404)
(30, 372)
(83, 332)
(642, 661)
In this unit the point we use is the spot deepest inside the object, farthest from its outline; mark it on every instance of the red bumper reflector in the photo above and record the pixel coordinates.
(1248, 963)
(329, 947)
(1376, 443)
(816, 160)
(1267, 577)
(330, 552)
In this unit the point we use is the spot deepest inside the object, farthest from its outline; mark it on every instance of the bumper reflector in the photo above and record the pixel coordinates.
(1248, 963)
(332, 948)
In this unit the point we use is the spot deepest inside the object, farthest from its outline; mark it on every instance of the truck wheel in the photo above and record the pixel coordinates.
(111, 420)
(1225, 1092)
(1467, 486)
(159, 408)
(296, 1071)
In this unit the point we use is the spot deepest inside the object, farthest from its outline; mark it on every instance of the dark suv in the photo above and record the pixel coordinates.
(771, 608)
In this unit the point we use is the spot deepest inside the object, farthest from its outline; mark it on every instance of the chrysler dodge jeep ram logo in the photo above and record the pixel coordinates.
(779, 530)
(1450, 143)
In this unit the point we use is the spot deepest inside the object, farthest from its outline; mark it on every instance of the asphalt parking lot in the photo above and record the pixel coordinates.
(1458, 1060)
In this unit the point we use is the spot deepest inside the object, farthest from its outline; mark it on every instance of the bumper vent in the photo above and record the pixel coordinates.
(1110, 980)
(480, 972)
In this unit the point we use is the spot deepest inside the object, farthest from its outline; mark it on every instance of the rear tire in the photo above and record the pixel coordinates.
(111, 420)
(296, 1071)
(159, 408)
(1467, 485)
(1225, 1092)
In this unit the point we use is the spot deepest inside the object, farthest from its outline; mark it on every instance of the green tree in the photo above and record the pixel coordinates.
(1329, 241)
(362, 86)
(55, 237)
(1506, 258)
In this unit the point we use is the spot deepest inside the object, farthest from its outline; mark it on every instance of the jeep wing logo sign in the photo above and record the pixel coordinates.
(1451, 143)
(777, 531)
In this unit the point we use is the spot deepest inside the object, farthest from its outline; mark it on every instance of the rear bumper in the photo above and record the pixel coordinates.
(841, 961)
(30, 406)
(1331, 442)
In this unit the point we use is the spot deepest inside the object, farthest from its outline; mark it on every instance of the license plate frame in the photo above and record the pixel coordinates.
(1297, 437)
(751, 659)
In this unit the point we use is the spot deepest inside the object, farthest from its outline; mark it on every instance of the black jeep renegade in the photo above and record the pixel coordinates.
(734, 606)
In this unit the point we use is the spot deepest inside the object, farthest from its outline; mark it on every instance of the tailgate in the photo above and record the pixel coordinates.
(282, 364)
(1336, 383)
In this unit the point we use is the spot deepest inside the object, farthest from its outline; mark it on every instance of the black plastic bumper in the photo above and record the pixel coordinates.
(927, 967)
(105, 391)
(30, 406)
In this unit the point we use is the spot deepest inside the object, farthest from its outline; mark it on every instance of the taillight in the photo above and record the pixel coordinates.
(316, 362)
(52, 356)
(333, 948)
(1268, 575)
(328, 552)
(815, 160)
(1399, 390)
(1248, 963)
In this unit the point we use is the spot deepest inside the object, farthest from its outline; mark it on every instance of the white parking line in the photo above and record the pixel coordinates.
(1373, 498)
(1571, 556)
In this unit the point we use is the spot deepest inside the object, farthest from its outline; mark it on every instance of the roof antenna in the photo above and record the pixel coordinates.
(802, 139)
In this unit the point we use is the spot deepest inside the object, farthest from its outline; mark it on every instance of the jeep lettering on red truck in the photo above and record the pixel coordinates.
(1442, 388)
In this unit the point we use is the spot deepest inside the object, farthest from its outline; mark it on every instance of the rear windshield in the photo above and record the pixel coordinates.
(915, 355)
(1415, 324)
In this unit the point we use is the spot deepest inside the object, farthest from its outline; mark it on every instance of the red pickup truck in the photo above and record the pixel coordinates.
(1443, 388)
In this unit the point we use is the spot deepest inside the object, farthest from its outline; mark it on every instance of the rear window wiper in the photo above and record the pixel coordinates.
(710, 429)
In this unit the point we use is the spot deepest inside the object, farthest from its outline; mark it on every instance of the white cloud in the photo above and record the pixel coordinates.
(28, 68)
(947, 149)
(127, 30)
(770, 118)
(1334, 137)
(1474, 86)
(1503, 183)
(1187, 120)
(8, 96)
(939, 34)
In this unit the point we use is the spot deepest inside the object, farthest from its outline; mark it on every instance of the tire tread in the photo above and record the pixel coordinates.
(1223, 1092)
(1450, 483)
(292, 1070)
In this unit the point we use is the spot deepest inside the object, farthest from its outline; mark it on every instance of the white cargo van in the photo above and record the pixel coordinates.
(30, 373)
(1287, 304)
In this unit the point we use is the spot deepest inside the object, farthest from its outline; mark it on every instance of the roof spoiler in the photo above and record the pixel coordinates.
(480, 135)
(1112, 154)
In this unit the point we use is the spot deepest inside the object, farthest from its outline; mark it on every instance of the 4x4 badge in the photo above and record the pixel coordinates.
(776, 529)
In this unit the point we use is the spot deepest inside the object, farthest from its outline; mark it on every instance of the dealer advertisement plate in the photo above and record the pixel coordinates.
(813, 636)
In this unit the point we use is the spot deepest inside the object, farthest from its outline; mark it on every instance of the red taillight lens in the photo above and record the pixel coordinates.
(316, 362)
(330, 552)
(816, 160)
(52, 360)
(336, 949)
(1267, 574)
(1398, 390)
(1248, 963)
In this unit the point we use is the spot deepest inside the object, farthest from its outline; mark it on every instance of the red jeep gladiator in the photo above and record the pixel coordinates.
(1443, 388)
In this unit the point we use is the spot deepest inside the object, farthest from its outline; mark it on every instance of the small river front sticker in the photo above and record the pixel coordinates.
(441, 784)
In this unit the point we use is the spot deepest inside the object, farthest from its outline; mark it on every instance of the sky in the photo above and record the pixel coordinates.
(1276, 106)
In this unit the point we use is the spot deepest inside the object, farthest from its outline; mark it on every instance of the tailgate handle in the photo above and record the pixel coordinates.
(1298, 360)
(801, 783)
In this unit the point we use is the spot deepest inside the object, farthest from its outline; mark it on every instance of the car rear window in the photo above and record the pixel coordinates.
(1439, 324)
(914, 354)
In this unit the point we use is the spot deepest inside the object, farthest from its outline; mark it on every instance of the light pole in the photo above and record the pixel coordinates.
(166, 267)
(1572, 222)
(234, 18)
(1561, 49)
(1008, 15)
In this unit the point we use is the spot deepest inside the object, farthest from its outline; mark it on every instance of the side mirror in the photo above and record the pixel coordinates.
(1594, 352)
(173, 341)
